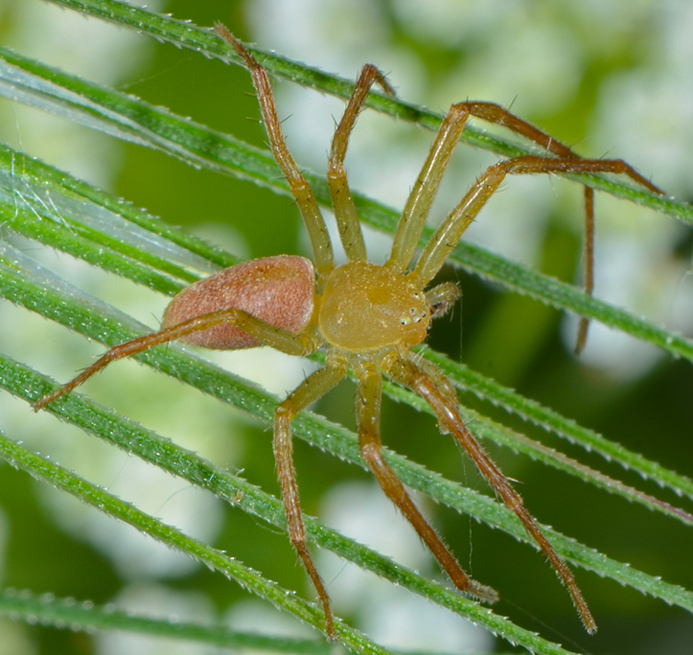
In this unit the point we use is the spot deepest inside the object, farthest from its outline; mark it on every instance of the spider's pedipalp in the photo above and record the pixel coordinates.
(442, 298)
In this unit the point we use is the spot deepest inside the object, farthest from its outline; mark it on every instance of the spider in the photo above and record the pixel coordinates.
(366, 316)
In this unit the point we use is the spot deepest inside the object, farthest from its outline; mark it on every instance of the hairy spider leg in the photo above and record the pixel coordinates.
(309, 391)
(425, 379)
(499, 115)
(411, 225)
(458, 220)
(323, 256)
(348, 221)
(431, 260)
(298, 344)
(587, 266)
(408, 233)
(368, 400)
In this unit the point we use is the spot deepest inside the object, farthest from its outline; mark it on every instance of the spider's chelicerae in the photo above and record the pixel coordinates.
(366, 316)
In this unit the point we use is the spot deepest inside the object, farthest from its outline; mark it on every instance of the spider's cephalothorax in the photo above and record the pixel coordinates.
(366, 316)
(366, 307)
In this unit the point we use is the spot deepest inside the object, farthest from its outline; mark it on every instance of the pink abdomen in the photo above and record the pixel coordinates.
(278, 290)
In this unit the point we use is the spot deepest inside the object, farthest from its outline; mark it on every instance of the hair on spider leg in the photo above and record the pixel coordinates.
(369, 318)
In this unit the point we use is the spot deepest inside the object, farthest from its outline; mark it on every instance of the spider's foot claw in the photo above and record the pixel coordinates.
(482, 592)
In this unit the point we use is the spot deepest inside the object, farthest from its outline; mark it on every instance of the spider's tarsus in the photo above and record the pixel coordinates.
(482, 592)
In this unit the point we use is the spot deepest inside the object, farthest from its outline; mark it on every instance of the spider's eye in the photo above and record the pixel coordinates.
(415, 316)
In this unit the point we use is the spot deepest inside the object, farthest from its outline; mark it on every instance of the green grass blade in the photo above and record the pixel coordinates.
(50, 473)
(70, 614)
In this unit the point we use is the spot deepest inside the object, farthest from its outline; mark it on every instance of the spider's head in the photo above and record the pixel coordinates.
(370, 307)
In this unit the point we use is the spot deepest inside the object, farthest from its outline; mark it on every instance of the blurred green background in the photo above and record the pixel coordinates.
(611, 78)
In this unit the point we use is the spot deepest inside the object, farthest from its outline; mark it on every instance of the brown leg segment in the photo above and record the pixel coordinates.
(305, 199)
(443, 401)
(288, 342)
(498, 115)
(344, 208)
(368, 399)
(587, 267)
(419, 203)
(313, 388)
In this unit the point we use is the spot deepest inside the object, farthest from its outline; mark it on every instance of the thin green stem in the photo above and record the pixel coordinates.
(70, 614)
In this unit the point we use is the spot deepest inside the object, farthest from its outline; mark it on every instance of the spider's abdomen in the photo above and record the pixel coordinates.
(367, 307)
(279, 290)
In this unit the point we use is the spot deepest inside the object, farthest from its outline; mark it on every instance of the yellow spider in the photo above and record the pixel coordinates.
(366, 316)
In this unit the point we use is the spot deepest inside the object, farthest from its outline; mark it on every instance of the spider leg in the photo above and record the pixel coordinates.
(442, 297)
(310, 390)
(305, 199)
(411, 224)
(288, 342)
(458, 220)
(342, 201)
(587, 266)
(499, 115)
(427, 381)
(368, 399)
